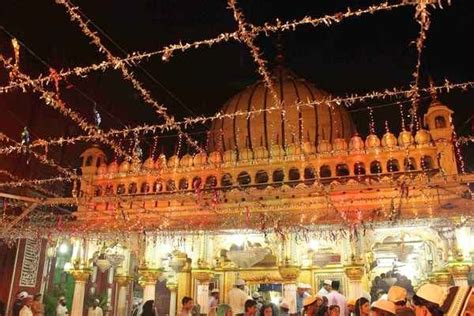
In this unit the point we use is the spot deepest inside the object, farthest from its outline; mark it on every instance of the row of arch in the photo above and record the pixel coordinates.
(262, 178)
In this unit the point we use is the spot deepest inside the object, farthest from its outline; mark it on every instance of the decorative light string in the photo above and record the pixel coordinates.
(32, 185)
(126, 73)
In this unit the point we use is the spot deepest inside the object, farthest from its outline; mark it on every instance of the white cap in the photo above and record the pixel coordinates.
(240, 282)
(284, 305)
(385, 306)
(256, 295)
(432, 293)
(397, 294)
(215, 291)
(327, 282)
(22, 295)
(307, 286)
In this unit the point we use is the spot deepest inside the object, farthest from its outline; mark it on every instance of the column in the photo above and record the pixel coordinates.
(122, 282)
(149, 278)
(459, 271)
(354, 273)
(289, 274)
(202, 278)
(441, 278)
(80, 279)
(172, 286)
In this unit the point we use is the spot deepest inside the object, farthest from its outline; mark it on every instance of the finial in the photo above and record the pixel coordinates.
(433, 93)
(280, 56)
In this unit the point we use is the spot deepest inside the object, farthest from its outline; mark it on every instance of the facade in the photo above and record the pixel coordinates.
(282, 197)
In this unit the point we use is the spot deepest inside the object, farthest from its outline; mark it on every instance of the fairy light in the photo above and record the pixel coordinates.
(457, 148)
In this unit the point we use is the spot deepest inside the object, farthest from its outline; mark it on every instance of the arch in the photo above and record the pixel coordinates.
(109, 189)
(98, 162)
(375, 167)
(393, 165)
(170, 185)
(244, 178)
(88, 161)
(409, 164)
(197, 183)
(359, 168)
(183, 184)
(309, 175)
(261, 179)
(427, 162)
(121, 189)
(132, 188)
(211, 182)
(157, 186)
(145, 188)
(98, 190)
(294, 176)
(440, 121)
(278, 177)
(325, 171)
(226, 180)
(342, 170)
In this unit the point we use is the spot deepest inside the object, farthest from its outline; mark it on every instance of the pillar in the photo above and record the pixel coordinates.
(441, 278)
(289, 274)
(459, 270)
(80, 279)
(202, 278)
(172, 286)
(149, 278)
(355, 273)
(122, 282)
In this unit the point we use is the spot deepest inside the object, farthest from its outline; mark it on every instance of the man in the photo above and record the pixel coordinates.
(187, 304)
(326, 289)
(351, 306)
(213, 302)
(26, 309)
(284, 309)
(398, 296)
(37, 306)
(301, 294)
(336, 298)
(95, 309)
(257, 297)
(61, 309)
(250, 308)
(18, 304)
(237, 297)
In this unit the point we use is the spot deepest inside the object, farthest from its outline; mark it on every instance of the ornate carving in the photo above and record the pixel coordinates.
(354, 272)
(289, 272)
(202, 275)
(459, 269)
(80, 275)
(172, 286)
(442, 278)
(261, 276)
(149, 275)
(123, 280)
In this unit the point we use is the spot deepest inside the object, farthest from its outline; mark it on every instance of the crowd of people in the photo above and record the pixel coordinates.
(382, 283)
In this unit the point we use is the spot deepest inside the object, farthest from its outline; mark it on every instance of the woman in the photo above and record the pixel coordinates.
(149, 308)
(224, 310)
(362, 307)
(428, 300)
(269, 310)
(383, 308)
(37, 306)
(334, 310)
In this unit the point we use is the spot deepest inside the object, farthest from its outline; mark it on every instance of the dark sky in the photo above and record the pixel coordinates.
(356, 56)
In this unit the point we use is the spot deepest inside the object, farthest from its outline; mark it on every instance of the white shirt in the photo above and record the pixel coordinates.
(336, 298)
(323, 292)
(237, 299)
(25, 311)
(95, 312)
(213, 303)
(61, 310)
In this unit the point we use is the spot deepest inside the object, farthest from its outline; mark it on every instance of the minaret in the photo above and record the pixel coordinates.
(92, 158)
(438, 119)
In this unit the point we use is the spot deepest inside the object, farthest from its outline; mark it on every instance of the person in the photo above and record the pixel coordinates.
(334, 310)
(336, 298)
(61, 309)
(26, 309)
(237, 297)
(37, 306)
(362, 307)
(309, 306)
(398, 296)
(428, 300)
(18, 304)
(383, 308)
(224, 310)
(213, 302)
(148, 308)
(95, 309)
(250, 308)
(266, 310)
(284, 309)
(326, 288)
(351, 306)
(301, 295)
(187, 306)
(257, 297)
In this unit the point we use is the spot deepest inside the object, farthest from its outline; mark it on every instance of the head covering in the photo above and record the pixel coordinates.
(301, 285)
(309, 300)
(351, 301)
(432, 293)
(62, 298)
(22, 295)
(97, 301)
(307, 286)
(214, 291)
(284, 305)
(240, 282)
(256, 295)
(397, 294)
(385, 306)
(327, 282)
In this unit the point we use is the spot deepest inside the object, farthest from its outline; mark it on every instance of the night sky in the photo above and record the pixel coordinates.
(356, 56)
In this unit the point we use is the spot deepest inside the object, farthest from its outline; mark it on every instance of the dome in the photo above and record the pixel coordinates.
(263, 129)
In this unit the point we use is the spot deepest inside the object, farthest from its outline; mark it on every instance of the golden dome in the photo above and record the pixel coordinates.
(215, 157)
(422, 137)
(113, 167)
(339, 144)
(324, 146)
(186, 161)
(372, 141)
(266, 128)
(149, 163)
(389, 140)
(200, 159)
(102, 169)
(173, 162)
(356, 143)
(405, 138)
(124, 166)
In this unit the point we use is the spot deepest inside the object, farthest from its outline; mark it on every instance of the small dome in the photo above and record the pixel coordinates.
(245, 154)
(173, 162)
(339, 144)
(230, 156)
(149, 163)
(200, 159)
(136, 165)
(276, 151)
(356, 143)
(294, 149)
(389, 140)
(186, 161)
(124, 166)
(422, 137)
(160, 163)
(261, 152)
(215, 157)
(113, 167)
(102, 169)
(324, 146)
(405, 138)
(372, 141)
(309, 148)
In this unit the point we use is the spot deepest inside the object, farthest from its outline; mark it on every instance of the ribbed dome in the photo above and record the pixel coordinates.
(263, 129)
